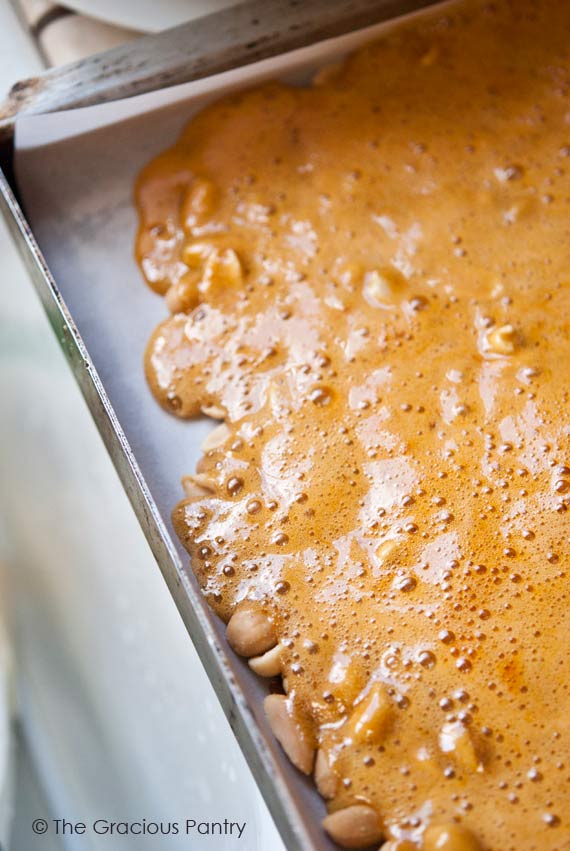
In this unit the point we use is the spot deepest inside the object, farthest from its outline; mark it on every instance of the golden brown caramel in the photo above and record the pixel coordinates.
(370, 281)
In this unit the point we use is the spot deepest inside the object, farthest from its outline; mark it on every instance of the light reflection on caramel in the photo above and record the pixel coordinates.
(374, 284)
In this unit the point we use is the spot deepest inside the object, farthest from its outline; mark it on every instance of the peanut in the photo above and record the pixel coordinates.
(216, 438)
(268, 665)
(289, 732)
(223, 269)
(382, 286)
(357, 826)
(203, 466)
(385, 550)
(250, 631)
(502, 340)
(449, 837)
(346, 678)
(371, 716)
(326, 780)
(182, 296)
(455, 739)
(197, 486)
(194, 254)
(213, 411)
(197, 204)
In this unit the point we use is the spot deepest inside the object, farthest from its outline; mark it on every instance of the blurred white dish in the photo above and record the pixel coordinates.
(147, 15)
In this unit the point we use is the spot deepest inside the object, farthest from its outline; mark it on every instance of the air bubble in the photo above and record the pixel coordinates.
(320, 396)
(446, 636)
(406, 583)
(174, 402)
(234, 485)
(427, 659)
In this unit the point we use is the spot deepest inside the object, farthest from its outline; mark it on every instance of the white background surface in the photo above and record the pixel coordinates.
(148, 15)
(121, 720)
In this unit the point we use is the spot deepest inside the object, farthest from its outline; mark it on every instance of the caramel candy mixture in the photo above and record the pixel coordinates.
(369, 281)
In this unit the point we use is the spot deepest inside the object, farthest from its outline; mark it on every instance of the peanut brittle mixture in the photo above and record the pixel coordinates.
(369, 282)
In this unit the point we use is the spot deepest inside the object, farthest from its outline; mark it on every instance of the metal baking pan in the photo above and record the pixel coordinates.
(103, 322)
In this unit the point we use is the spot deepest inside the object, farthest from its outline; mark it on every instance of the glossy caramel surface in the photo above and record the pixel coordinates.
(371, 284)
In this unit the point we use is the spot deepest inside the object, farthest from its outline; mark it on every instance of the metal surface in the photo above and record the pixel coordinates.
(238, 36)
(291, 798)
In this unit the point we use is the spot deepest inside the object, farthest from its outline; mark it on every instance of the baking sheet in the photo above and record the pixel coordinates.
(75, 172)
